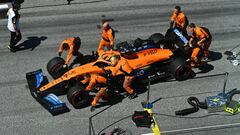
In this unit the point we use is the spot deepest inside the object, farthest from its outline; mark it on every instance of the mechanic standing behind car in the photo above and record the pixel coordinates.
(72, 44)
(107, 39)
(13, 25)
(121, 65)
(179, 20)
(203, 38)
(92, 80)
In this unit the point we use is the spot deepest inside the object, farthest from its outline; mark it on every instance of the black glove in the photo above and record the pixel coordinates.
(59, 54)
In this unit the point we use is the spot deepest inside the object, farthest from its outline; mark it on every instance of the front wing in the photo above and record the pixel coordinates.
(49, 101)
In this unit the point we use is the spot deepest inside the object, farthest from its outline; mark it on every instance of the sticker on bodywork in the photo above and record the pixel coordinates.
(176, 31)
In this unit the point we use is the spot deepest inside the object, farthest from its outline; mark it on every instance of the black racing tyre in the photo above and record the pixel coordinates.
(55, 67)
(157, 38)
(78, 97)
(180, 70)
(184, 72)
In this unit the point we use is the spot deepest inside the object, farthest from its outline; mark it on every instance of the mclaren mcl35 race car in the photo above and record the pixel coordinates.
(144, 56)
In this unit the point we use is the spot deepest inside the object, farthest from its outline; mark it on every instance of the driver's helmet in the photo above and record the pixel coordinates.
(114, 59)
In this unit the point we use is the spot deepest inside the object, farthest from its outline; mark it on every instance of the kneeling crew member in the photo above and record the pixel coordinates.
(203, 38)
(92, 80)
(121, 65)
(72, 44)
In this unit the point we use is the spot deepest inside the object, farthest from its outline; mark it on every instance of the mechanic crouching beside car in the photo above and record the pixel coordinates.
(92, 80)
(121, 65)
(203, 38)
(72, 44)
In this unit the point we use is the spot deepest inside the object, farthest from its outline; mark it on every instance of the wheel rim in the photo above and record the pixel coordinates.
(78, 99)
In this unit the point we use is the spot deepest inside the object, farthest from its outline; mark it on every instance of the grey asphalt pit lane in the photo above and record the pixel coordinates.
(31, 43)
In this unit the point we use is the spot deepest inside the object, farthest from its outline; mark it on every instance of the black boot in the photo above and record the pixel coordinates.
(12, 49)
(133, 95)
(92, 109)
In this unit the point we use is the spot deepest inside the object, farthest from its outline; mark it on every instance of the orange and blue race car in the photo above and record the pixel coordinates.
(144, 56)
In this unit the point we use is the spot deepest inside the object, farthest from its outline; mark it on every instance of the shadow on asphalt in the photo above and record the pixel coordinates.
(30, 43)
(205, 69)
(214, 56)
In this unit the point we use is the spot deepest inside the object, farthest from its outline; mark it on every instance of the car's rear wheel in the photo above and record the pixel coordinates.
(55, 67)
(78, 97)
(184, 72)
(180, 70)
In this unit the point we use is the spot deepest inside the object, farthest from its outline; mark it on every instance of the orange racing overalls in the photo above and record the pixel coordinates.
(181, 21)
(96, 79)
(200, 33)
(106, 40)
(73, 50)
(124, 68)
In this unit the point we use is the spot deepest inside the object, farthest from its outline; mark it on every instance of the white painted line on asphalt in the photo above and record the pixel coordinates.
(3, 6)
(201, 128)
(148, 134)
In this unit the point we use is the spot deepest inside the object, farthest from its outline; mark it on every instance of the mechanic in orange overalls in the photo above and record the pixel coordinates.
(72, 44)
(203, 38)
(92, 80)
(179, 20)
(107, 39)
(122, 66)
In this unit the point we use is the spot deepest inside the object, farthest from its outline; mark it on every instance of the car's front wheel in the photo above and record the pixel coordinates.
(55, 67)
(78, 97)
